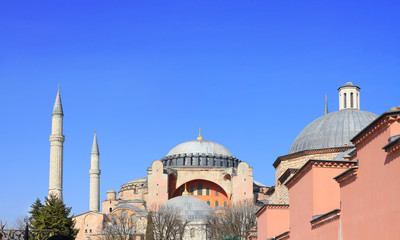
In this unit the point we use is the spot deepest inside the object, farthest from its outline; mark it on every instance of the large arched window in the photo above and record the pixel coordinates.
(351, 100)
(345, 100)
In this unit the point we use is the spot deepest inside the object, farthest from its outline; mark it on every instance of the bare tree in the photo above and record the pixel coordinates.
(21, 222)
(118, 228)
(232, 222)
(167, 224)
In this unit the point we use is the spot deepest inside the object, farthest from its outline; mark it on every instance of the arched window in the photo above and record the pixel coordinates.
(225, 203)
(216, 203)
(345, 100)
(191, 190)
(133, 219)
(216, 192)
(209, 203)
(192, 233)
(110, 209)
(351, 100)
(207, 191)
(200, 189)
(115, 219)
(123, 216)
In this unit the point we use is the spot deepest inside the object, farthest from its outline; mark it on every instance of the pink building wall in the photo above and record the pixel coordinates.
(313, 191)
(272, 220)
(370, 201)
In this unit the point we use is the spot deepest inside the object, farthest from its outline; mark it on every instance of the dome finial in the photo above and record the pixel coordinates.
(58, 87)
(326, 104)
(185, 192)
(199, 137)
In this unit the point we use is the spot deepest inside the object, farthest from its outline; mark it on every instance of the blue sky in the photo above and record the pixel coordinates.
(147, 74)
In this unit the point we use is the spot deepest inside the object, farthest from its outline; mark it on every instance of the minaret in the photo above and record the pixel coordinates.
(56, 149)
(94, 172)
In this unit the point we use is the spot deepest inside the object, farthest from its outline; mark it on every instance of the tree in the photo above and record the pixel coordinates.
(118, 228)
(233, 222)
(167, 224)
(54, 215)
(149, 228)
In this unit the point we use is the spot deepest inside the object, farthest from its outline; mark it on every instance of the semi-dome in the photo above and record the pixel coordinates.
(200, 147)
(332, 130)
(190, 208)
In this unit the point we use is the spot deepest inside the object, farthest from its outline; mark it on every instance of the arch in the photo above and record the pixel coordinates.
(213, 191)
(351, 100)
(345, 100)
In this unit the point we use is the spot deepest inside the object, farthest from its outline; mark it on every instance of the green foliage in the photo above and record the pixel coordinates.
(53, 215)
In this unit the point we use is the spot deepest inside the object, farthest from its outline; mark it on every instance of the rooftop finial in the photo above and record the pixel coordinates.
(185, 192)
(199, 137)
(58, 87)
(326, 103)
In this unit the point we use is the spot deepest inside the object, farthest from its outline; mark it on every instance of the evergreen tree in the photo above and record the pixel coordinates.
(53, 215)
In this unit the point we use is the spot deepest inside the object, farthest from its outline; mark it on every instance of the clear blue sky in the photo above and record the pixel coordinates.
(147, 74)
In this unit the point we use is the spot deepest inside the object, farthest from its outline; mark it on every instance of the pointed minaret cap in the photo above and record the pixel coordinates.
(326, 104)
(57, 109)
(199, 137)
(95, 147)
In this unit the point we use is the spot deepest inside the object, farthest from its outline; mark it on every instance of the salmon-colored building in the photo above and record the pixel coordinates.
(353, 195)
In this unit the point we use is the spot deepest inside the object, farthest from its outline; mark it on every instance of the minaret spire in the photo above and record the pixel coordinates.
(326, 104)
(94, 173)
(56, 149)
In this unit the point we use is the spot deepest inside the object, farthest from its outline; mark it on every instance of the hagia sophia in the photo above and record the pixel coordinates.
(318, 184)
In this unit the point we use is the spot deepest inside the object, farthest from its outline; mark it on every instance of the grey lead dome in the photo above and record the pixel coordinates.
(200, 146)
(332, 130)
(190, 208)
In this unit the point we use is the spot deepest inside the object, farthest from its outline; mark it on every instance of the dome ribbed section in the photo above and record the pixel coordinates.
(332, 130)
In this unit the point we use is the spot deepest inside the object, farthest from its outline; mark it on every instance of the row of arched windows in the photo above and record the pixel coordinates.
(199, 191)
(216, 203)
(351, 100)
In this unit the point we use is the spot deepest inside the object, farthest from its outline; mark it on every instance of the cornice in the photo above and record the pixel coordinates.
(310, 152)
(272, 206)
(283, 236)
(318, 163)
(286, 174)
(376, 126)
(325, 218)
(347, 175)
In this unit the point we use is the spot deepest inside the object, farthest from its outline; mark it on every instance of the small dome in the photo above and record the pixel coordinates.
(111, 191)
(190, 208)
(200, 146)
(348, 84)
(332, 130)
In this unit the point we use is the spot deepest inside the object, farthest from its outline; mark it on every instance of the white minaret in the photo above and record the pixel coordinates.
(94, 172)
(56, 149)
(349, 96)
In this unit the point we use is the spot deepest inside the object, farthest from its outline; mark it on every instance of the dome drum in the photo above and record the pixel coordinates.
(200, 160)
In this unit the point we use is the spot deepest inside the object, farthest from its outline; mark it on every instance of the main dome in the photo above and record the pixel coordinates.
(332, 130)
(200, 147)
